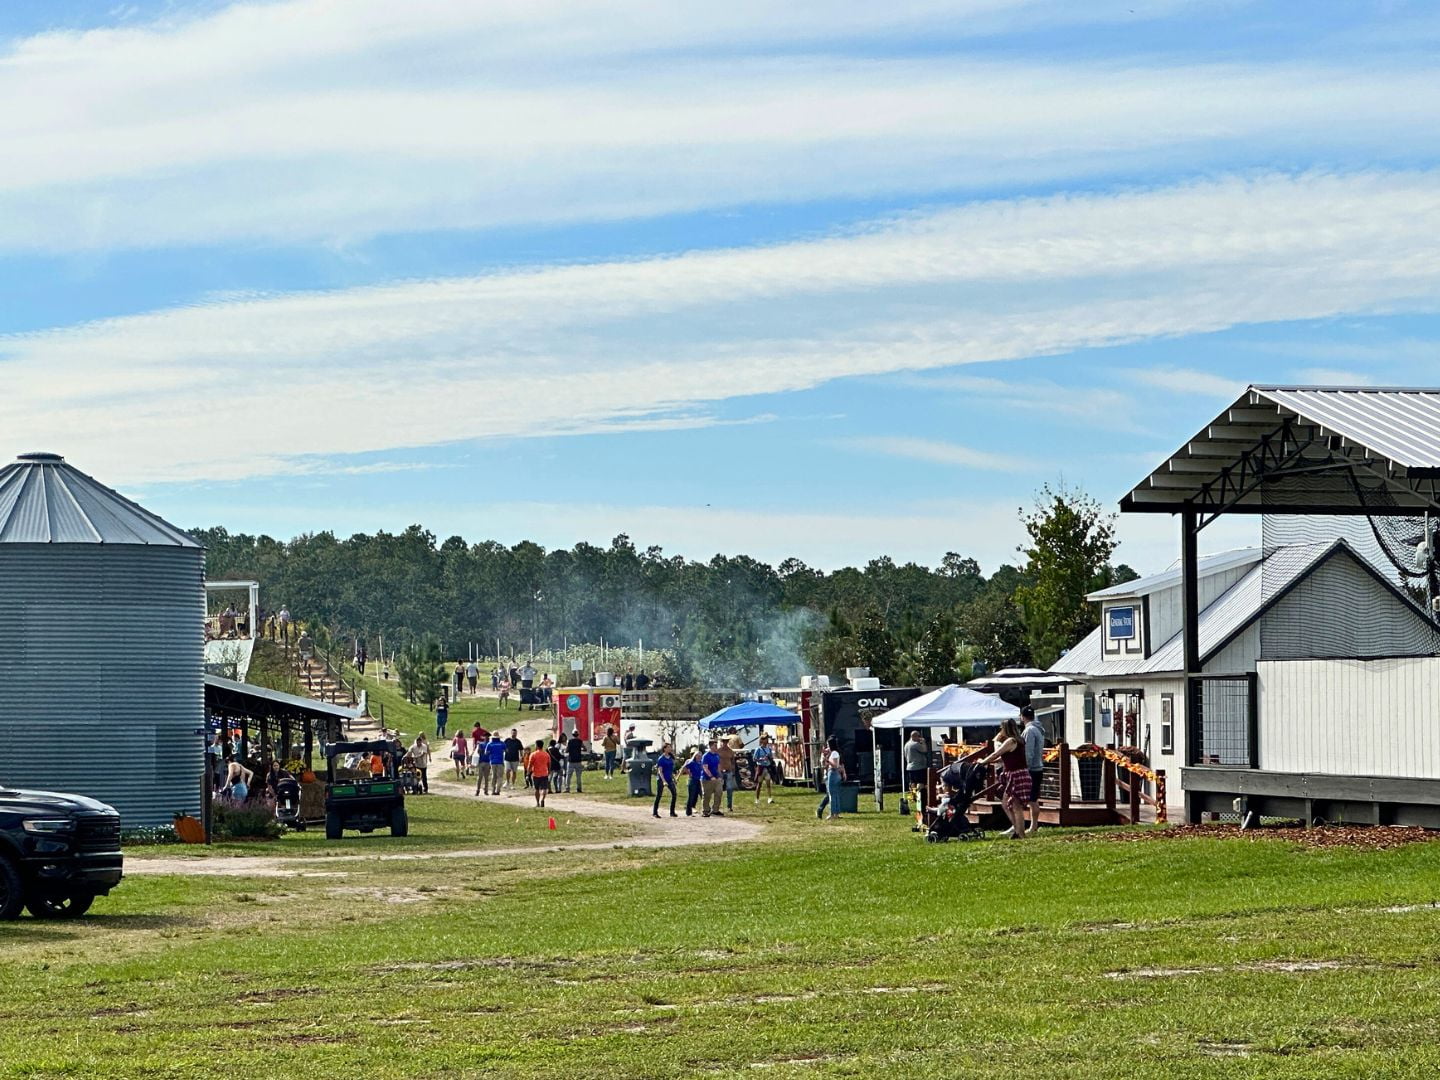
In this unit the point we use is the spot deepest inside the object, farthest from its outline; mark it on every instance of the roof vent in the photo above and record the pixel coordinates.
(42, 457)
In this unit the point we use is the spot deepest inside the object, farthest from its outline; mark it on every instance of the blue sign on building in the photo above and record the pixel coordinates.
(1122, 622)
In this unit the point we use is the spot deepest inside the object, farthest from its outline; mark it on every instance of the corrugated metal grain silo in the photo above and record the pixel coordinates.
(101, 644)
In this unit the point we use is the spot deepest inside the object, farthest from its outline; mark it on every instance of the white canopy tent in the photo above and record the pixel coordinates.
(950, 706)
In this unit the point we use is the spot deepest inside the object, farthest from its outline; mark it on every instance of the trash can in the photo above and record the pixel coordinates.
(847, 801)
(640, 768)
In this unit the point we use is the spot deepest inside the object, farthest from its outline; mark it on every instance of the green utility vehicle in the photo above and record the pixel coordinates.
(355, 797)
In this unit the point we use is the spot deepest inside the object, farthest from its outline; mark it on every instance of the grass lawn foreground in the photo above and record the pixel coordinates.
(845, 949)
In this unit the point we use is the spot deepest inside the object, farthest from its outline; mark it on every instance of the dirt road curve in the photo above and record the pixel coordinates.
(666, 833)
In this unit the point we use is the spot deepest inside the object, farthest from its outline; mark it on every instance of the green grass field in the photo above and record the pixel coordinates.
(844, 949)
(437, 824)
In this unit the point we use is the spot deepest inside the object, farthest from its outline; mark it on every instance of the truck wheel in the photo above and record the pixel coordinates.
(333, 828)
(399, 822)
(12, 893)
(61, 907)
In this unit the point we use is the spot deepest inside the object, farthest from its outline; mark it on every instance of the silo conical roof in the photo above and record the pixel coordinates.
(45, 501)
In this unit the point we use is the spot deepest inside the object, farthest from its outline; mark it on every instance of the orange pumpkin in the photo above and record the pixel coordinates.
(189, 829)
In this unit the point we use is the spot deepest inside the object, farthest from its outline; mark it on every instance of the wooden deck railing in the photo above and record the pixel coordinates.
(1122, 781)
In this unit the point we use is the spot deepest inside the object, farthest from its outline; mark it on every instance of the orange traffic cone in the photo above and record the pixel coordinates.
(552, 824)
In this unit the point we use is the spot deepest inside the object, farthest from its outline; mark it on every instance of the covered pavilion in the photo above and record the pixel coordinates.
(266, 717)
(1351, 735)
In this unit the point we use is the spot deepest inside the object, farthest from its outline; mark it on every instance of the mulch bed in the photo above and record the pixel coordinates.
(1373, 837)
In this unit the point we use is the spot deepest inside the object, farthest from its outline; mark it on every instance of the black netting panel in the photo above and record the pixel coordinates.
(1223, 725)
(1318, 580)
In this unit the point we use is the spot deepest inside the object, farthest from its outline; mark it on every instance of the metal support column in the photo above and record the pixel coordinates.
(1190, 588)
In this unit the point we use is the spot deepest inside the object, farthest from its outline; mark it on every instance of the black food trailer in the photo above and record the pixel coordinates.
(846, 714)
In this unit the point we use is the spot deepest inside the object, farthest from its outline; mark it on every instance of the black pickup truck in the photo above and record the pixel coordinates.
(57, 853)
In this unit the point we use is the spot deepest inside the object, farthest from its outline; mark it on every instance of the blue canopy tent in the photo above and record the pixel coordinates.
(749, 713)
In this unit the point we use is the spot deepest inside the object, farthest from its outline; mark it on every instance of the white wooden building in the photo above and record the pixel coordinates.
(1132, 667)
(1298, 679)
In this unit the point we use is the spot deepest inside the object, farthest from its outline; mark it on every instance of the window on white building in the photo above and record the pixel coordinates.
(1167, 723)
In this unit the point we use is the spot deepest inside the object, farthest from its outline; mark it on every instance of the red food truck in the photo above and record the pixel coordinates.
(589, 710)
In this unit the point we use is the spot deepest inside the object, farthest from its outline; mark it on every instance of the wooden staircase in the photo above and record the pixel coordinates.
(319, 681)
(320, 684)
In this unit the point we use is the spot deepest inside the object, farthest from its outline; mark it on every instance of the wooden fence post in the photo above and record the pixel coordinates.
(1064, 760)
(1107, 773)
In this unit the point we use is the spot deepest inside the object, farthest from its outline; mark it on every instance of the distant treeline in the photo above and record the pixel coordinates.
(731, 621)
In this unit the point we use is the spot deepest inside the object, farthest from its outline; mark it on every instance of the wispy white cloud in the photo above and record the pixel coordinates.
(1379, 348)
(940, 452)
(647, 341)
(1187, 381)
(1048, 400)
(370, 468)
(372, 117)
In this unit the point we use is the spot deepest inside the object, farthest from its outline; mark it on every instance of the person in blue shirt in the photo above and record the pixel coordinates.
(711, 781)
(442, 716)
(665, 775)
(764, 758)
(492, 766)
(695, 774)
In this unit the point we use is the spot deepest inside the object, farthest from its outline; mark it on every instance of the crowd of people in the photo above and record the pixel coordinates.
(557, 765)
(520, 680)
(711, 773)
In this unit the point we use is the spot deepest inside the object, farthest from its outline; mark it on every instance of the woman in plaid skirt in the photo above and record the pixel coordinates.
(1015, 789)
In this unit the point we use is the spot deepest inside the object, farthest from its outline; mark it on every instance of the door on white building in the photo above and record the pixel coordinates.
(1128, 707)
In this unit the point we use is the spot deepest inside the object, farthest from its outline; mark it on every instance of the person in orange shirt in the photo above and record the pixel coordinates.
(537, 765)
(377, 765)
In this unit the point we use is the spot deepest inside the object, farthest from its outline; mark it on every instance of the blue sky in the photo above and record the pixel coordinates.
(833, 280)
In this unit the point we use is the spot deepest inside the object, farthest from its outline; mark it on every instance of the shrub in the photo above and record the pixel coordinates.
(231, 822)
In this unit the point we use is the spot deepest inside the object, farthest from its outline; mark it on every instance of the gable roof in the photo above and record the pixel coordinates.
(1265, 584)
(1169, 579)
(1318, 449)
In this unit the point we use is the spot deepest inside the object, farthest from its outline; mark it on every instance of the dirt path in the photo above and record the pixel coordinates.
(666, 833)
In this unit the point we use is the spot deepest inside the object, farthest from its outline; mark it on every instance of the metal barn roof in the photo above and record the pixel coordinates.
(1306, 450)
(1168, 579)
(45, 501)
(1401, 424)
(232, 696)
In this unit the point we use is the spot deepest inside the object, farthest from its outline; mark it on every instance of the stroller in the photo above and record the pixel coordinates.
(287, 802)
(961, 783)
(409, 777)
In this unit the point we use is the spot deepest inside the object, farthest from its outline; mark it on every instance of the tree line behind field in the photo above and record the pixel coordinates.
(732, 621)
